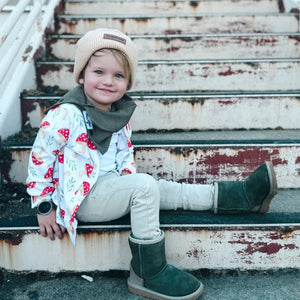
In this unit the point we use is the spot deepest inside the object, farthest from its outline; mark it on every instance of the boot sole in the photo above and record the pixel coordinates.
(273, 188)
(135, 286)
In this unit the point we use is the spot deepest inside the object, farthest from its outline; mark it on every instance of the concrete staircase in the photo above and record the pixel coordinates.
(217, 93)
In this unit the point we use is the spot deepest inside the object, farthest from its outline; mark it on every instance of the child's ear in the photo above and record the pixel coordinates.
(81, 80)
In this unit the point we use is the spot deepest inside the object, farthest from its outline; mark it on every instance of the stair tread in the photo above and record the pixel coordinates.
(181, 36)
(30, 94)
(175, 15)
(188, 61)
(218, 137)
(190, 138)
(284, 209)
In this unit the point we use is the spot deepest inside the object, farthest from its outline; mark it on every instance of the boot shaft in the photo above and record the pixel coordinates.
(148, 256)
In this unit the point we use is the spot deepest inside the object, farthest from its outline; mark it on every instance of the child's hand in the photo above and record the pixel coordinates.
(49, 227)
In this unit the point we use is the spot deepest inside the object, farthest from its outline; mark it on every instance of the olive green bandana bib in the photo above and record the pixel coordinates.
(101, 124)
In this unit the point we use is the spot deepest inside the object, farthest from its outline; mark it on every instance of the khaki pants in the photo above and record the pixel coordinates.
(114, 196)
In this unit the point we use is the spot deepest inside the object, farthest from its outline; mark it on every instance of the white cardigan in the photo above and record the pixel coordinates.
(64, 163)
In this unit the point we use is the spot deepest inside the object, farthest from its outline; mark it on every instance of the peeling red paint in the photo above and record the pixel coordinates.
(262, 247)
(170, 31)
(230, 72)
(172, 49)
(249, 157)
(225, 103)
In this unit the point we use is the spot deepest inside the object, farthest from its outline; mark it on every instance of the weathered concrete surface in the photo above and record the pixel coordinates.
(146, 8)
(182, 24)
(195, 46)
(165, 76)
(233, 247)
(233, 285)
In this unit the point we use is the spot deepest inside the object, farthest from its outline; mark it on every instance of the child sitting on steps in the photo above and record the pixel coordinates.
(81, 167)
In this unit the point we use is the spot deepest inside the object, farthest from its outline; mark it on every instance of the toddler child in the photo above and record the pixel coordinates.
(82, 167)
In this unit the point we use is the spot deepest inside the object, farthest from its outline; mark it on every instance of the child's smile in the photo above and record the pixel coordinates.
(104, 80)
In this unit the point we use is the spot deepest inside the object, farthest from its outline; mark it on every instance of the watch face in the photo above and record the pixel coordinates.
(45, 207)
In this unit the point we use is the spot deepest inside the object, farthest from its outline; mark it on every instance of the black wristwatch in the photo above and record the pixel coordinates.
(45, 208)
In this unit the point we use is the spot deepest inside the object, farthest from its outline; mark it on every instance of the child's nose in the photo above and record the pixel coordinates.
(108, 79)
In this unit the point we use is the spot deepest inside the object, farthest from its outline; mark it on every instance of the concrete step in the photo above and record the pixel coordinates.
(206, 111)
(145, 8)
(189, 75)
(195, 157)
(194, 46)
(214, 242)
(181, 23)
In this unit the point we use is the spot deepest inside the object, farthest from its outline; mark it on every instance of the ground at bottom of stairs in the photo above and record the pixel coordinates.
(218, 285)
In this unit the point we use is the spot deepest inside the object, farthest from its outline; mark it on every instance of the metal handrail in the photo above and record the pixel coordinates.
(12, 20)
(23, 29)
(9, 57)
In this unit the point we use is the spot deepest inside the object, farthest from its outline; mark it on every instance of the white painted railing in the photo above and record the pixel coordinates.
(21, 35)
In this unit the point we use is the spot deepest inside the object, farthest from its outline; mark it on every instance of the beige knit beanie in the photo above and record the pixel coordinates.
(102, 38)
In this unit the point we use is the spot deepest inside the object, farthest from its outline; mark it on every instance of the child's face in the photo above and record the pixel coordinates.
(104, 80)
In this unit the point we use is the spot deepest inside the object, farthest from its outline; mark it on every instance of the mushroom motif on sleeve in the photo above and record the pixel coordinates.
(84, 189)
(31, 185)
(49, 173)
(91, 145)
(61, 158)
(63, 135)
(44, 126)
(36, 159)
(82, 142)
(89, 169)
(47, 190)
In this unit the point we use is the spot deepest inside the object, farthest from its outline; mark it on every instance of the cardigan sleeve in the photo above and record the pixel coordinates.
(52, 136)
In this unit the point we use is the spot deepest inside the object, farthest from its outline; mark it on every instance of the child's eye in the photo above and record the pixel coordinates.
(119, 76)
(99, 72)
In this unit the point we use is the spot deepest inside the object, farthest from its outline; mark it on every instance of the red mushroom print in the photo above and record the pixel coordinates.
(129, 143)
(63, 134)
(91, 145)
(54, 108)
(89, 169)
(47, 190)
(82, 142)
(55, 181)
(61, 158)
(31, 185)
(74, 213)
(63, 213)
(55, 152)
(128, 128)
(49, 173)
(44, 126)
(36, 159)
(84, 189)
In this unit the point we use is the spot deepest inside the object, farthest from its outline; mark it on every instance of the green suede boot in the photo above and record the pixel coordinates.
(152, 277)
(250, 196)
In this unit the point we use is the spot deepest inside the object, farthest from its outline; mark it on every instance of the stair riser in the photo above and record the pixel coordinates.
(181, 25)
(211, 47)
(208, 164)
(199, 164)
(203, 248)
(203, 113)
(146, 8)
(218, 76)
